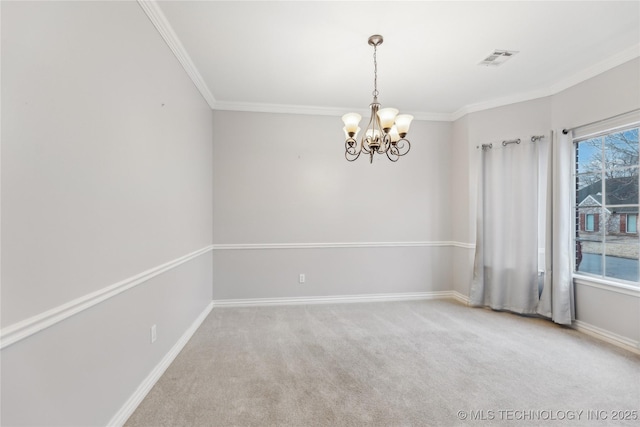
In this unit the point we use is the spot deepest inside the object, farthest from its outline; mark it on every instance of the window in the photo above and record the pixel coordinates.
(606, 205)
(632, 223)
(590, 223)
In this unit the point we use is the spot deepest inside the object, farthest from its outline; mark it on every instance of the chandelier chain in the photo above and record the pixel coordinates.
(375, 72)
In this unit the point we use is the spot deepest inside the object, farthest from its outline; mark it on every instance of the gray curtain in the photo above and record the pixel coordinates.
(506, 270)
(557, 299)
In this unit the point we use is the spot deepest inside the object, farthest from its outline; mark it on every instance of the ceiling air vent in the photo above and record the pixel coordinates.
(498, 57)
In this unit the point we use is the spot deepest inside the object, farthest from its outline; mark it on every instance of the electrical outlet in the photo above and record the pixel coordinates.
(301, 278)
(154, 336)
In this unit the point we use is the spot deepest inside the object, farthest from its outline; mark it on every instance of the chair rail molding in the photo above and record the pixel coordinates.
(336, 245)
(32, 325)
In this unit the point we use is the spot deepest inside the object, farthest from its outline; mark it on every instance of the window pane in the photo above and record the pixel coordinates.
(620, 152)
(589, 190)
(589, 156)
(622, 190)
(607, 177)
(621, 261)
(589, 257)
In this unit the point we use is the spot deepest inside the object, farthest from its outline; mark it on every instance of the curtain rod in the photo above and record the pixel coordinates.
(534, 138)
(566, 131)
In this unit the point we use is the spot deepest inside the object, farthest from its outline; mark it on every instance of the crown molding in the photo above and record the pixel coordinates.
(159, 20)
(618, 59)
(281, 108)
(499, 102)
(153, 11)
(314, 110)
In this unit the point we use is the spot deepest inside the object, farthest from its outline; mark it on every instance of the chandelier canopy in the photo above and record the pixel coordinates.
(386, 131)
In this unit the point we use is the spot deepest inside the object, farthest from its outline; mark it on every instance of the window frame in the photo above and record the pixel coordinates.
(600, 280)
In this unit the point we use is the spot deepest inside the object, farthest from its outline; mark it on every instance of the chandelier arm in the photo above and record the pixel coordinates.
(400, 145)
(392, 151)
(351, 151)
(351, 157)
(385, 144)
(373, 120)
(351, 146)
(365, 144)
(367, 140)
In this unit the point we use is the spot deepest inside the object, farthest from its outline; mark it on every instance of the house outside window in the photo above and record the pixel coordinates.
(607, 244)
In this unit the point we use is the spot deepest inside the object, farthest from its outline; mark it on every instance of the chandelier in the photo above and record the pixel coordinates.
(386, 131)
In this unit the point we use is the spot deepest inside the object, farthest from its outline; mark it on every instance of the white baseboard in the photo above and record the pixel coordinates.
(461, 297)
(143, 389)
(586, 328)
(610, 337)
(333, 299)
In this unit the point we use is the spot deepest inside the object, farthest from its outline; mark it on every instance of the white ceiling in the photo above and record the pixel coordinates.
(270, 55)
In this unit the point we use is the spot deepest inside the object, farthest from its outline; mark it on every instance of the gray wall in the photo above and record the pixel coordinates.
(283, 179)
(462, 218)
(613, 92)
(106, 173)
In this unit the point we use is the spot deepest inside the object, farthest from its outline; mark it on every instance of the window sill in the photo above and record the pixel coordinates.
(608, 285)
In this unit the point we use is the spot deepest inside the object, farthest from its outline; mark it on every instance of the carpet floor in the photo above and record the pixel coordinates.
(410, 363)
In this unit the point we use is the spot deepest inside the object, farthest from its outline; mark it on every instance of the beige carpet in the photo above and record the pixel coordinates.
(415, 363)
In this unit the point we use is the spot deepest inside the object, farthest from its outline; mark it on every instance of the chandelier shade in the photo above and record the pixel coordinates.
(351, 122)
(387, 129)
(387, 118)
